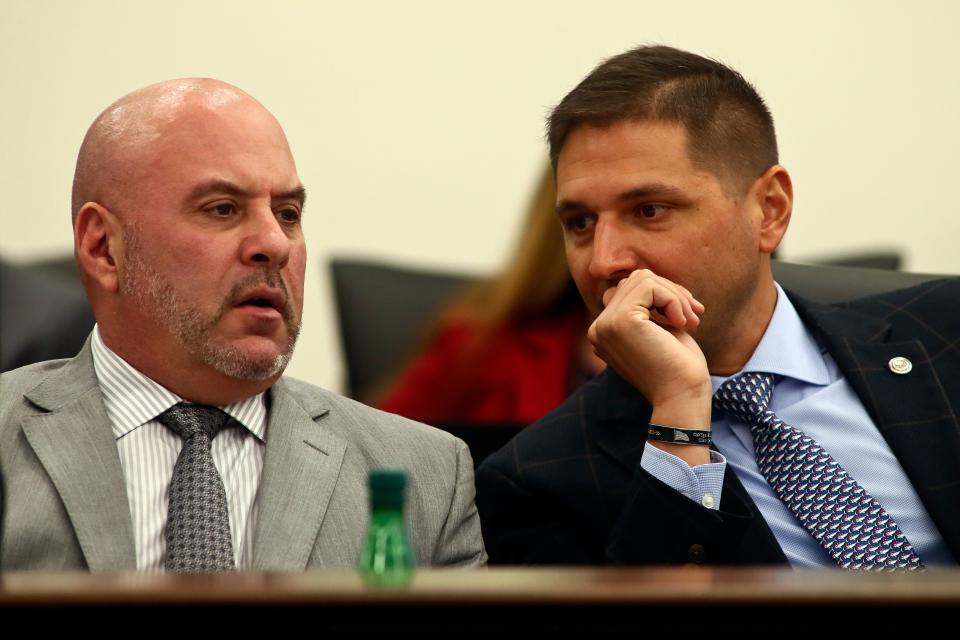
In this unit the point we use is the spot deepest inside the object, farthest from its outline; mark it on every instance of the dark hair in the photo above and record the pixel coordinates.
(729, 128)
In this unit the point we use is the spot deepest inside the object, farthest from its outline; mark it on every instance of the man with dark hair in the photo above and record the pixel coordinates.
(729, 126)
(172, 440)
(736, 423)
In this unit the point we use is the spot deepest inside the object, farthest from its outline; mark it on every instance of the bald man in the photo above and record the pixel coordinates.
(172, 440)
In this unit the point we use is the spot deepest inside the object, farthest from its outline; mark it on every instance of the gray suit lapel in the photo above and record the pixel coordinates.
(76, 447)
(300, 470)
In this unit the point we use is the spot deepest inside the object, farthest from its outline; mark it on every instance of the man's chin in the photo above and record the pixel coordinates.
(247, 361)
(244, 368)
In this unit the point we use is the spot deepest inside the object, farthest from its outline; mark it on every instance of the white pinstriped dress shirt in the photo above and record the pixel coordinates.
(148, 451)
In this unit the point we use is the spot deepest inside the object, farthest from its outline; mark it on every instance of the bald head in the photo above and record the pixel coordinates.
(123, 134)
(187, 214)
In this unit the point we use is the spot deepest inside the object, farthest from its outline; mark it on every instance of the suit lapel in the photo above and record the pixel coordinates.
(910, 410)
(299, 473)
(74, 443)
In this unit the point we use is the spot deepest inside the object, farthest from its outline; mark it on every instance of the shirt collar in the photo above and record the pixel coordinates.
(132, 399)
(787, 349)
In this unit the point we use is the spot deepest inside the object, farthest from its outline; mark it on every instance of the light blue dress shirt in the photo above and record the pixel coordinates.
(811, 395)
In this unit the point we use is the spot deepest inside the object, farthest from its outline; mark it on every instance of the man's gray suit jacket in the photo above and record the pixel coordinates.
(66, 504)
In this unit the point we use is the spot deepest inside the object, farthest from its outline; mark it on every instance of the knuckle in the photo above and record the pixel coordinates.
(602, 328)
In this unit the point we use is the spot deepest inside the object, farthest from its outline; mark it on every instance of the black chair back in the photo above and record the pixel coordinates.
(383, 311)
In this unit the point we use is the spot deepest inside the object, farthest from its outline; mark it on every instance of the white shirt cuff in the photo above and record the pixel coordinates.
(703, 483)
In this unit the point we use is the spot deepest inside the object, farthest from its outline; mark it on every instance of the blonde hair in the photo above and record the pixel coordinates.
(535, 282)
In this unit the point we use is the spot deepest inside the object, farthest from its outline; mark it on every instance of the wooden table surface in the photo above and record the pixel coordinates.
(477, 603)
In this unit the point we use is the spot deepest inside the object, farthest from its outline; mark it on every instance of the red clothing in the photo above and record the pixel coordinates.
(523, 372)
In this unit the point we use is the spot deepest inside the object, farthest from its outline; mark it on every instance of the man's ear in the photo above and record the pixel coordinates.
(774, 192)
(98, 239)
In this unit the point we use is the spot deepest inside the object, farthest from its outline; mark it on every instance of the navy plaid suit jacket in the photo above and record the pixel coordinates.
(569, 489)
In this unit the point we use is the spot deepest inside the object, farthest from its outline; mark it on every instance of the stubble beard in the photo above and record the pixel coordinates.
(193, 328)
(724, 317)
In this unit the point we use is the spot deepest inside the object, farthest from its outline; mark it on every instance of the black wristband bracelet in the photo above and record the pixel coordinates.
(678, 435)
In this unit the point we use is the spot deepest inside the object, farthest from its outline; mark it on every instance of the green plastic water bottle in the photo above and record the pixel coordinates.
(386, 559)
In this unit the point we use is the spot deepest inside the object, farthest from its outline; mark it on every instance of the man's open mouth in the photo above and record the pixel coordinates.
(263, 298)
(258, 302)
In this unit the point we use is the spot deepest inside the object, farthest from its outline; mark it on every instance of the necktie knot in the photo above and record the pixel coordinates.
(746, 396)
(188, 420)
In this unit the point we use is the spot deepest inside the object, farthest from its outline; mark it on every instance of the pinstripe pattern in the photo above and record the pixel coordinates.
(148, 452)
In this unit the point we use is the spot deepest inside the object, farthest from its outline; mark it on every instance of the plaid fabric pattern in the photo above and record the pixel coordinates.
(569, 489)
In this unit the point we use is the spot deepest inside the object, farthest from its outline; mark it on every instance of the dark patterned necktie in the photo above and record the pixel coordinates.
(850, 524)
(198, 525)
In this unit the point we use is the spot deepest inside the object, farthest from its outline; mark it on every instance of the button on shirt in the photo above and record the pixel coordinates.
(148, 451)
(812, 395)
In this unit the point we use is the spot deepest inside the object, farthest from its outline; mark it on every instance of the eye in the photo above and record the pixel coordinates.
(223, 210)
(651, 211)
(289, 215)
(578, 223)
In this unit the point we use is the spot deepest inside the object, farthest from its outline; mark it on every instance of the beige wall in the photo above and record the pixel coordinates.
(417, 124)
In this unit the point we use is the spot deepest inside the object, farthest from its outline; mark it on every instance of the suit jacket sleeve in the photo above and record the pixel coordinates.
(658, 525)
(461, 542)
(570, 490)
(654, 525)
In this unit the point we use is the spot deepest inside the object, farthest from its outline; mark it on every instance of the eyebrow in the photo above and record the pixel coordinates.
(217, 185)
(298, 193)
(654, 189)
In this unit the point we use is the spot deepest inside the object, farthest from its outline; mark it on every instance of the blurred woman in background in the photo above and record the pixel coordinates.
(509, 349)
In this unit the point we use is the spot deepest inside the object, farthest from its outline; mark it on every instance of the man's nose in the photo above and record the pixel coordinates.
(266, 243)
(613, 257)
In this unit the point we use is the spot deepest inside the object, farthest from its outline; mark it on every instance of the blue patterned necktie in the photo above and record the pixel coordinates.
(198, 524)
(846, 520)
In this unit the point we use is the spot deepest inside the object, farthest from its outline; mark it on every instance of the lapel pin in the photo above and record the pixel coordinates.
(900, 365)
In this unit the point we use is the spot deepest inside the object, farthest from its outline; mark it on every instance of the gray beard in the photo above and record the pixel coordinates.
(192, 328)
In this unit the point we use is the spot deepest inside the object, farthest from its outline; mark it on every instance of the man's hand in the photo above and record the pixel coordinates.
(643, 334)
